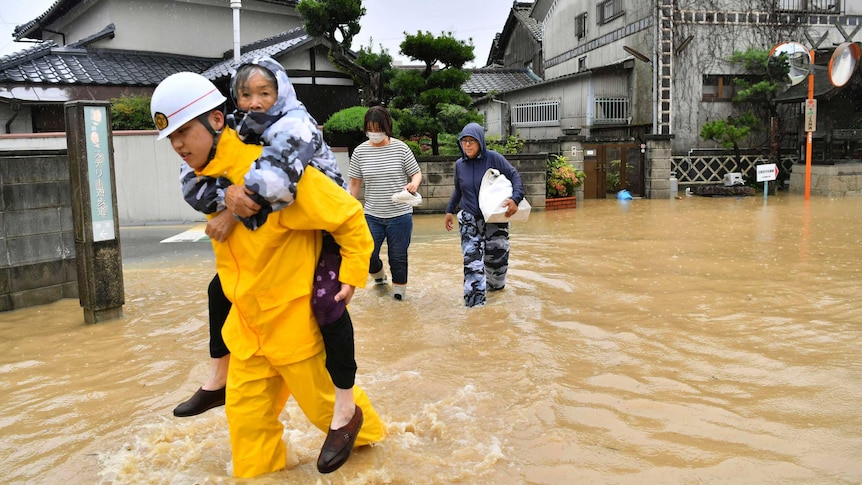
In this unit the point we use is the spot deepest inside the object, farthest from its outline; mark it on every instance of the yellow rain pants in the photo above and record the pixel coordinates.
(256, 397)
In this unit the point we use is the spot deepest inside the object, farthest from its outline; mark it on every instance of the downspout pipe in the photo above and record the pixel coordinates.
(62, 35)
(16, 108)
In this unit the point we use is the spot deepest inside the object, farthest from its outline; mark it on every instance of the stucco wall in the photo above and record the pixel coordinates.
(200, 28)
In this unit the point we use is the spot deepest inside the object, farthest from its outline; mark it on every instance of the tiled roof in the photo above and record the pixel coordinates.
(522, 13)
(48, 64)
(22, 31)
(485, 80)
(519, 15)
(272, 46)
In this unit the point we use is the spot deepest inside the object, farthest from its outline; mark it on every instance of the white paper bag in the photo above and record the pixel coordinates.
(495, 190)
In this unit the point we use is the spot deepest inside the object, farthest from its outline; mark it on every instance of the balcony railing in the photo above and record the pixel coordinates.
(808, 6)
(612, 111)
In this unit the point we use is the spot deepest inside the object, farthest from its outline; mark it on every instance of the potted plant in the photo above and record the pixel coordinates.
(563, 179)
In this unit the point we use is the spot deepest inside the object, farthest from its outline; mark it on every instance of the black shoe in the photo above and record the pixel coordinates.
(200, 401)
(339, 443)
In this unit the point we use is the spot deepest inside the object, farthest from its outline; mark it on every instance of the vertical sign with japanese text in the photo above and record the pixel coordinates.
(810, 115)
(101, 198)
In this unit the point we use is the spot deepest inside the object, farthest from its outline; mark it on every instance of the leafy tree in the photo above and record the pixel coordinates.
(338, 22)
(430, 101)
(380, 74)
(728, 133)
(323, 18)
(131, 112)
(757, 92)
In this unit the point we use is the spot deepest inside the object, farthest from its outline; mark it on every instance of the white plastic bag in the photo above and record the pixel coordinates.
(406, 197)
(495, 189)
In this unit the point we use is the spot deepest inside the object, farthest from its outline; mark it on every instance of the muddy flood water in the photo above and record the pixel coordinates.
(702, 340)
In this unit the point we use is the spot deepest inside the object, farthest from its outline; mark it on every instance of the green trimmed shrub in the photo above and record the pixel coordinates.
(131, 112)
(347, 120)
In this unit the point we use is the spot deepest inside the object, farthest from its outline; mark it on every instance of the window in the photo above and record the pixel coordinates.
(608, 10)
(536, 113)
(582, 63)
(581, 26)
(720, 87)
(808, 6)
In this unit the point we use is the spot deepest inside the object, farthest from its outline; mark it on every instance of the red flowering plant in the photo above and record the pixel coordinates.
(562, 178)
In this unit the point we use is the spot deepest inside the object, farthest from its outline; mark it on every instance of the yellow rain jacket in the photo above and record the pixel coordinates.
(275, 343)
(268, 273)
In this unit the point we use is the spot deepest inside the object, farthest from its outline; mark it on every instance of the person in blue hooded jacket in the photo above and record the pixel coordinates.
(484, 246)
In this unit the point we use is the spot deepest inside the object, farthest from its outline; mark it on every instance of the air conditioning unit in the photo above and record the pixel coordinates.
(731, 179)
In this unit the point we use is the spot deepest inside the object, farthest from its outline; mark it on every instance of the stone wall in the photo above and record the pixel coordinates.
(37, 242)
(838, 180)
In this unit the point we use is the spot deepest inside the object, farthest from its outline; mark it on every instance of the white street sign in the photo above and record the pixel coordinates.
(767, 172)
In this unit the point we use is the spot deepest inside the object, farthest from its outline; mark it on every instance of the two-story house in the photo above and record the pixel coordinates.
(102, 49)
(637, 79)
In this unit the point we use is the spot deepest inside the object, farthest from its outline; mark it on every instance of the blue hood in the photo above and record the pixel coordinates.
(476, 131)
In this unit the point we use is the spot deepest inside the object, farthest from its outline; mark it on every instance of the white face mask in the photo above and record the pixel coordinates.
(375, 137)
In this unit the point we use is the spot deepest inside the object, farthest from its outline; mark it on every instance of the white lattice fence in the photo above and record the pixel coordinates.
(710, 168)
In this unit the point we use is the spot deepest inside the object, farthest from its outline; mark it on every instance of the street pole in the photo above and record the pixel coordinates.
(810, 133)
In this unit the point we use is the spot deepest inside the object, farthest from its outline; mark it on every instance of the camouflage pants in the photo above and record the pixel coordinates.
(485, 247)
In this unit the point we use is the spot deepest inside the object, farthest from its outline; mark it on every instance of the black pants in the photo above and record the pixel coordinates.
(337, 338)
(219, 307)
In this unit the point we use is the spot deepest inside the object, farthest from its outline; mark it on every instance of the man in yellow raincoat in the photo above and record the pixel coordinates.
(275, 344)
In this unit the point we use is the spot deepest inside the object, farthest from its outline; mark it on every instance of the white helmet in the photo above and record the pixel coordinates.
(180, 98)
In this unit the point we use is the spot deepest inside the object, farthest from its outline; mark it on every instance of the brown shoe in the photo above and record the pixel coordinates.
(339, 443)
(200, 401)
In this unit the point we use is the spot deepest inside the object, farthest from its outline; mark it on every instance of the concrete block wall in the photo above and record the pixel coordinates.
(37, 242)
(438, 180)
(659, 161)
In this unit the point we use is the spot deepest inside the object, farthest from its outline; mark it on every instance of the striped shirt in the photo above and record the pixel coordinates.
(384, 171)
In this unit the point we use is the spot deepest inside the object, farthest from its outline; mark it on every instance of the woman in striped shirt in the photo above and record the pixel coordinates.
(385, 166)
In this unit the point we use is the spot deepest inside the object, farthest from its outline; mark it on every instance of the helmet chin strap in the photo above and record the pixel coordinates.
(204, 119)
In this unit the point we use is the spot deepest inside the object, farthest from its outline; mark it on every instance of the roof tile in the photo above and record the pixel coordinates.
(486, 80)
(46, 63)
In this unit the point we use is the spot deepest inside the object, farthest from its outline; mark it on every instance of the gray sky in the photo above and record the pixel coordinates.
(14, 13)
(384, 23)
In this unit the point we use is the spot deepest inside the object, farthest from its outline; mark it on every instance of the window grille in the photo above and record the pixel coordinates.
(808, 6)
(608, 10)
(581, 26)
(536, 113)
(612, 111)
